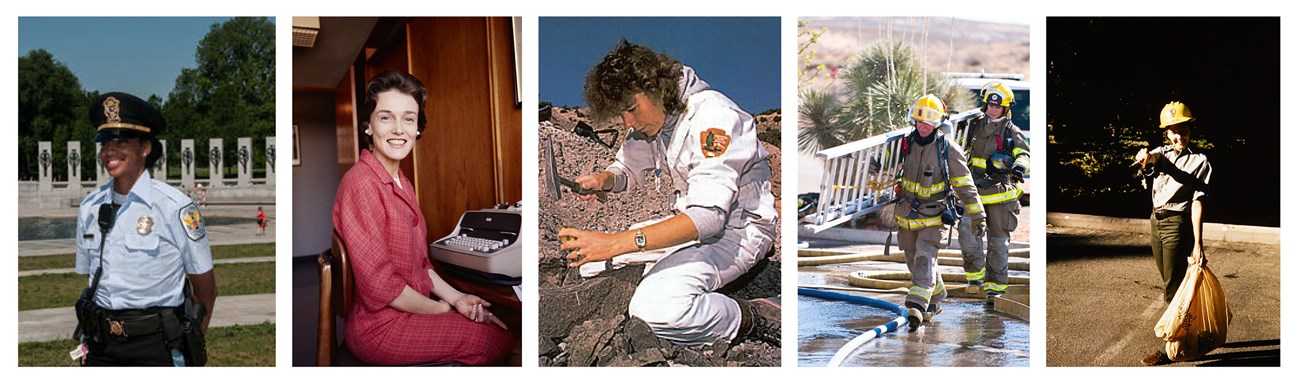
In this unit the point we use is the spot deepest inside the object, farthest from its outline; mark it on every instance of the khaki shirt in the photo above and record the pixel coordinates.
(1178, 178)
(922, 181)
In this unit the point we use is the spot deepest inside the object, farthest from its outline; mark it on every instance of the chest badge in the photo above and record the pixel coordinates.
(144, 226)
(714, 142)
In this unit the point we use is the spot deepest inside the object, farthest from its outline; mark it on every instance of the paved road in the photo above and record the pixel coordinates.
(58, 323)
(217, 235)
(1104, 299)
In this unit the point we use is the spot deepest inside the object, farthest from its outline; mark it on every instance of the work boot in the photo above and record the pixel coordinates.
(760, 319)
(914, 316)
(992, 296)
(1157, 358)
(932, 311)
(974, 287)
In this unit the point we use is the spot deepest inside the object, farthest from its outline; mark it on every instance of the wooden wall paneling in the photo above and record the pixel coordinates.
(345, 110)
(508, 118)
(455, 163)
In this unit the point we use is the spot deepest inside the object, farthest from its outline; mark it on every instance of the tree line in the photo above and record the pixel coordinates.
(230, 93)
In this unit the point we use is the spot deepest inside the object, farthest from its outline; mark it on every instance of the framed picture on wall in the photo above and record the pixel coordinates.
(297, 148)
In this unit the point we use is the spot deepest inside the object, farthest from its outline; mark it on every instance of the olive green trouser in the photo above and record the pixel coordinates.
(1171, 244)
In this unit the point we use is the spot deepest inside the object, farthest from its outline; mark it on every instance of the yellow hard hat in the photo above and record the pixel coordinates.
(929, 109)
(997, 93)
(1174, 113)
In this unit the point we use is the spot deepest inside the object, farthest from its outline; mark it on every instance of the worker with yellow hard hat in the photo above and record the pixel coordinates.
(1178, 176)
(999, 161)
(933, 176)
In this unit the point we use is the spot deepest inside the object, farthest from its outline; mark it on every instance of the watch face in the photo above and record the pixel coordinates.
(640, 239)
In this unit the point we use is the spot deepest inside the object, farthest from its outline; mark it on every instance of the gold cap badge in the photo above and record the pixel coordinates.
(112, 111)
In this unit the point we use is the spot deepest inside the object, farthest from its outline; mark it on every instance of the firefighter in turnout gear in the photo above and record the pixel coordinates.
(933, 176)
(999, 161)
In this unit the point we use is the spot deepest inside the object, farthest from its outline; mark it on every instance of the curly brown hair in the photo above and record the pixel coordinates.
(630, 69)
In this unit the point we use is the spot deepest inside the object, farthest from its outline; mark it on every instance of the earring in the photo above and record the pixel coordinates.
(367, 131)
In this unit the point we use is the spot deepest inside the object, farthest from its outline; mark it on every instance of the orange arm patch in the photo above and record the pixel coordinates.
(714, 142)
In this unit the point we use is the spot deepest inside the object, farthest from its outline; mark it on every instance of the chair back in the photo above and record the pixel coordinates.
(341, 276)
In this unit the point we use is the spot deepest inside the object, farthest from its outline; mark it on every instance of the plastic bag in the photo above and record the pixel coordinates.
(1196, 321)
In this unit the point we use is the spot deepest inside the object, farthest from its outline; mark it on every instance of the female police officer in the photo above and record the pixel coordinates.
(139, 239)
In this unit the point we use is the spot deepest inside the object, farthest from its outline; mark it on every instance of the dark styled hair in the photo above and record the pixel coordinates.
(392, 80)
(155, 152)
(630, 69)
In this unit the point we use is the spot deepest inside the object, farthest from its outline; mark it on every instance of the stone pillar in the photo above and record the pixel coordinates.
(270, 160)
(74, 168)
(45, 163)
(244, 160)
(214, 163)
(101, 173)
(187, 164)
(160, 169)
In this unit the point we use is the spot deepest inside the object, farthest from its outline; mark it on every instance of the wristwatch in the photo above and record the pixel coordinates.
(640, 240)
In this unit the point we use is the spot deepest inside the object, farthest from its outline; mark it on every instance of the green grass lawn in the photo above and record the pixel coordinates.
(68, 260)
(234, 346)
(62, 290)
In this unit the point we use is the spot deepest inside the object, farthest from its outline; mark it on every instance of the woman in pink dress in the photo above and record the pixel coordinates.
(395, 320)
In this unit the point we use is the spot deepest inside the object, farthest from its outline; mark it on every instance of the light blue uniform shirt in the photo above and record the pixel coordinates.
(157, 238)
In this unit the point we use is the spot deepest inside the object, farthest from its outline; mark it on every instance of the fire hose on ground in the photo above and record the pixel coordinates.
(852, 345)
(886, 281)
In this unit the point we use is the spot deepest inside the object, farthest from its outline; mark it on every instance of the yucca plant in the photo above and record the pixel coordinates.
(820, 126)
(884, 82)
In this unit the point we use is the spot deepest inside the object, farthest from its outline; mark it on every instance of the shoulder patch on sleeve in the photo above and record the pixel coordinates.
(192, 220)
(714, 142)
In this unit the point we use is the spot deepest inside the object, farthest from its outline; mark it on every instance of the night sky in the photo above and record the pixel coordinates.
(1119, 72)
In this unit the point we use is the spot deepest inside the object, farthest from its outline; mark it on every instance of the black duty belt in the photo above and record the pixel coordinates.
(1162, 214)
(135, 323)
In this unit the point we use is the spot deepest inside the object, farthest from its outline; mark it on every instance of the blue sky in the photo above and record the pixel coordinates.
(137, 55)
(739, 56)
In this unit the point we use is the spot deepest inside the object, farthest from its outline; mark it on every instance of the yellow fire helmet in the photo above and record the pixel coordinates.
(1174, 113)
(929, 109)
(997, 93)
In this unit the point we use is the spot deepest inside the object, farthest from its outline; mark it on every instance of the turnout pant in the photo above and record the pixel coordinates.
(921, 253)
(989, 268)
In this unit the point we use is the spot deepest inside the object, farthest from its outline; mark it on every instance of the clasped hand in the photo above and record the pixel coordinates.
(472, 307)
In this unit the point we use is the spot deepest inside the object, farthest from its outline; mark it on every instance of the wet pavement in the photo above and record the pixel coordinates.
(966, 334)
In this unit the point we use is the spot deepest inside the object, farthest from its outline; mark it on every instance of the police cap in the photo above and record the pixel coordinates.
(118, 115)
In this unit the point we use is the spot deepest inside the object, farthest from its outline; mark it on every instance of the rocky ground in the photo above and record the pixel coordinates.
(583, 321)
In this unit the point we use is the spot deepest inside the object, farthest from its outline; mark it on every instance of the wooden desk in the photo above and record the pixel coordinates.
(505, 305)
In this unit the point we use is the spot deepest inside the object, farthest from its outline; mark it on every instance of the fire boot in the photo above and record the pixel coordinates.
(932, 311)
(760, 319)
(915, 315)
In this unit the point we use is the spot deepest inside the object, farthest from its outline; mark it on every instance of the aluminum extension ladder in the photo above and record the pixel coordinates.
(858, 177)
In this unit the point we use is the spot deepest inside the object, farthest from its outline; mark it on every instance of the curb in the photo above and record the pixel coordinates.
(1210, 231)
